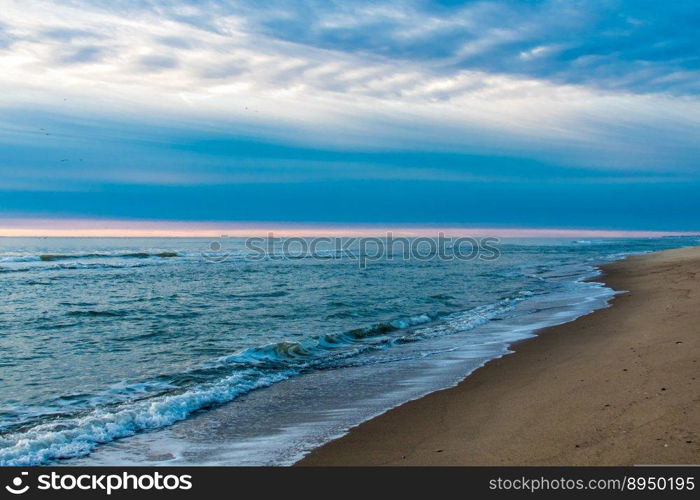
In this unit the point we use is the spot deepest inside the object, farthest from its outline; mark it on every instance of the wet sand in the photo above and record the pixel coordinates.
(617, 387)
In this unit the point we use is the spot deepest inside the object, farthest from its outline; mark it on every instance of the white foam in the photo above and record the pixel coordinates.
(78, 436)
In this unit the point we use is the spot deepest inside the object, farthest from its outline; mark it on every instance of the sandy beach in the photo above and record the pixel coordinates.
(617, 387)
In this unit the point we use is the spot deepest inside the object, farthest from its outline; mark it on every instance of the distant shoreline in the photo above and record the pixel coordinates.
(616, 387)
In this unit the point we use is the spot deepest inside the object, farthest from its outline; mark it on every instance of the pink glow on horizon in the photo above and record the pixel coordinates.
(19, 227)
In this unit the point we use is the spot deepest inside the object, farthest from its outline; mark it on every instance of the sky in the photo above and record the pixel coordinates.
(493, 114)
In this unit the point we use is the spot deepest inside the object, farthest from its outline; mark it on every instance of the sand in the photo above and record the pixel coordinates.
(617, 387)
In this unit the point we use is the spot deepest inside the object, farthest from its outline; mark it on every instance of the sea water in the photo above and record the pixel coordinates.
(161, 351)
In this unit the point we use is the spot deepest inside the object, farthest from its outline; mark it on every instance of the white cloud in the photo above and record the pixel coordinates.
(216, 73)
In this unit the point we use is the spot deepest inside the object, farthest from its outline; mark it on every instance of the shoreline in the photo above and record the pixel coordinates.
(615, 387)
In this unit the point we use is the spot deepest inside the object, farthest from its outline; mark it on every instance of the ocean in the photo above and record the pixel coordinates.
(186, 351)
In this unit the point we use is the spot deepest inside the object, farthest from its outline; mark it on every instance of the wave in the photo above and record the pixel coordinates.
(326, 351)
(279, 293)
(71, 266)
(65, 261)
(63, 439)
(133, 255)
(220, 381)
(93, 313)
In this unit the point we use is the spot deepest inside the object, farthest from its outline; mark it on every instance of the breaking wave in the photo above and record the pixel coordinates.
(174, 397)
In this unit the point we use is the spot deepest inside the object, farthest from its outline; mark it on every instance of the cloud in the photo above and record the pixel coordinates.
(67, 35)
(635, 46)
(608, 44)
(174, 42)
(5, 38)
(78, 55)
(157, 62)
(594, 84)
(412, 110)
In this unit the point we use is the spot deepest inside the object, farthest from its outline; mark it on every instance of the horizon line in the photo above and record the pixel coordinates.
(124, 228)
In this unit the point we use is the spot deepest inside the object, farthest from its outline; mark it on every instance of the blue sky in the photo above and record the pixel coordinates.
(519, 114)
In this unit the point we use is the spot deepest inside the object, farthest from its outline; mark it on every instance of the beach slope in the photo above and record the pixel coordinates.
(617, 387)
